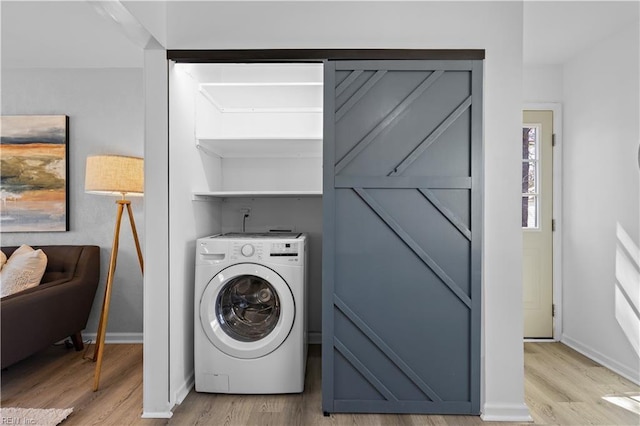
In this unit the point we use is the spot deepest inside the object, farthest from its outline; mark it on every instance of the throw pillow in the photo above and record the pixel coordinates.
(24, 269)
(3, 259)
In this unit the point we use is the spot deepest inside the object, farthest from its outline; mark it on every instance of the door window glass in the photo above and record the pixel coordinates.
(530, 176)
(248, 308)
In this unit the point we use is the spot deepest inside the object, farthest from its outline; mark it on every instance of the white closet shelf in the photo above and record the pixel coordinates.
(201, 196)
(247, 147)
(234, 97)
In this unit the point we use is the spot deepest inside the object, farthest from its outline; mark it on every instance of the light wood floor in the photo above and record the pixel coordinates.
(562, 388)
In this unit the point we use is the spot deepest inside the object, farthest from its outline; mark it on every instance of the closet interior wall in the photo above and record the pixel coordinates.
(250, 145)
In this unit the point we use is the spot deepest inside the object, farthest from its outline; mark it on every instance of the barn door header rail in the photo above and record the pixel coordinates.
(319, 55)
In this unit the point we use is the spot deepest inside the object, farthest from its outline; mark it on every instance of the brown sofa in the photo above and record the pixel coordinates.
(58, 308)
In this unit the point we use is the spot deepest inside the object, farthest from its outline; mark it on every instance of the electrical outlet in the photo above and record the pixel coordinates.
(246, 211)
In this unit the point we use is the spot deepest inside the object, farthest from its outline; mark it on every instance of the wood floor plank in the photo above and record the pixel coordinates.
(562, 387)
(539, 403)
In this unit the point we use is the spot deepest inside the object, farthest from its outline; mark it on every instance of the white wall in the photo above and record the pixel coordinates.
(189, 220)
(105, 109)
(601, 193)
(156, 399)
(494, 26)
(542, 83)
(503, 365)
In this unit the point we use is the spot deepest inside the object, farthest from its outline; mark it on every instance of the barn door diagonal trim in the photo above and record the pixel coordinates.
(382, 346)
(448, 214)
(364, 371)
(355, 98)
(403, 182)
(388, 120)
(413, 156)
(404, 236)
(347, 81)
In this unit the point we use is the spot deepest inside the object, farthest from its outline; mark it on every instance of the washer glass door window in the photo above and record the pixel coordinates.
(248, 308)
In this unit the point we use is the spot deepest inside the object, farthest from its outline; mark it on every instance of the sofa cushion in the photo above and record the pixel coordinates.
(24, 269)
(3, 259)
(62, 262)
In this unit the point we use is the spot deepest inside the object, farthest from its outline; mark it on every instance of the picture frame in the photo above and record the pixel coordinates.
(34, 173)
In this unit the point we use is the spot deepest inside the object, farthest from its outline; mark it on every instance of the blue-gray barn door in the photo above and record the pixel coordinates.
(402, 236)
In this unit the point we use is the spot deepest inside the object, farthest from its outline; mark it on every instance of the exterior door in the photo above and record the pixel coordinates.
(537, 216)
(402, 236)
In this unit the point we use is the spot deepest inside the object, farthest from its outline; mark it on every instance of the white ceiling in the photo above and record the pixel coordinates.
(555, 31)
(73, 34)
(62, 34)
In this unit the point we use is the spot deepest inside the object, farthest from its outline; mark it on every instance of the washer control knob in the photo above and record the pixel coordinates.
(247, 250)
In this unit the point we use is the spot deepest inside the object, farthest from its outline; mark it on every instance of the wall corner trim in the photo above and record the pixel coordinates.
(115, 338)
(625, 371)
(506, 413)
(156, 415)
(184, 390)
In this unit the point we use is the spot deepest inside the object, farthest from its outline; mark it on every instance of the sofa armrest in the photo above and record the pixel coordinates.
(33, 319)
(89, 264)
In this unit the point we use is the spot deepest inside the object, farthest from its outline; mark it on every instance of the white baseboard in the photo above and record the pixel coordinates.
(184, 390)
(314, 337)
(116, 337)
(506, 413)
(628, 373)
(156, 414)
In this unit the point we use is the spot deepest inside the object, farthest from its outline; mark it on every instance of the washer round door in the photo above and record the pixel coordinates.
(247, 310)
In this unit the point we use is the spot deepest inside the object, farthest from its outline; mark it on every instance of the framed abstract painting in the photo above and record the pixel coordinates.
(34, 173)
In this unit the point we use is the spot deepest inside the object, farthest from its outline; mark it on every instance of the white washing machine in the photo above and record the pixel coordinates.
(250, 318)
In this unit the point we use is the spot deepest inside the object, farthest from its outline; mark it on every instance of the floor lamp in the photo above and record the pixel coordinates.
(121, 176)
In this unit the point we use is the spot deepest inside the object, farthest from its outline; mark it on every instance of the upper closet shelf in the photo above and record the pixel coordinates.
(257, 97)
(203, 196)
(276, 147)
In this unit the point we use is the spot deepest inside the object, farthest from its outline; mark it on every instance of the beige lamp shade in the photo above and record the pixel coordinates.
(114, 175)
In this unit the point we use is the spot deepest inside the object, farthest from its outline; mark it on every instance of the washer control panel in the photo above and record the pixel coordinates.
(254, 250)
(247, 250)
(284, 249)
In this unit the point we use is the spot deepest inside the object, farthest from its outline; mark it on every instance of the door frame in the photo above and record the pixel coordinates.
(172, 57)
(556, 108)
